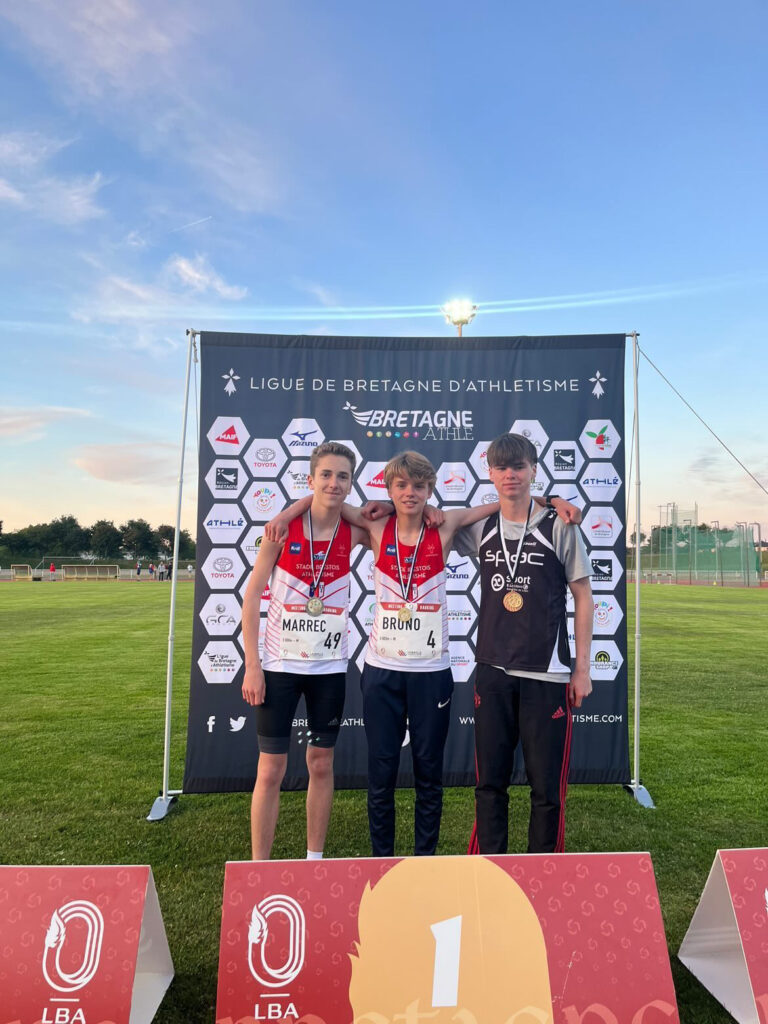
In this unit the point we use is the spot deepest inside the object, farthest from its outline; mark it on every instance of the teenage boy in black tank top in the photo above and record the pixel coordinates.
(526, 685)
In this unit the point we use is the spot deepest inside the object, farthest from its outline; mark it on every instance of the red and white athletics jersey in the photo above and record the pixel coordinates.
(416, 641)
(296, 641)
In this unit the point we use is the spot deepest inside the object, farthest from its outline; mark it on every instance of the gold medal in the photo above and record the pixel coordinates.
(404, 613)
(315, 606)
(513, 601)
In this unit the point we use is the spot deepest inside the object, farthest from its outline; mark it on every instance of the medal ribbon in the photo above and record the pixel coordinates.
(513, 569)
(405, 591)
(316, 579)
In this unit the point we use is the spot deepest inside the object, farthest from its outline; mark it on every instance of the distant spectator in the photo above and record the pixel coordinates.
(190, 569)
(169, 570)
(151, 570)
(138, 568)
(52, 571)
(161, 571)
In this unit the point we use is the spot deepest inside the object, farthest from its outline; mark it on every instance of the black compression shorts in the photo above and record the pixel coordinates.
(324, 697)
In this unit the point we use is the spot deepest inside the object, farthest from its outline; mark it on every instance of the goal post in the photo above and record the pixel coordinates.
(21, 572)
(90, 572)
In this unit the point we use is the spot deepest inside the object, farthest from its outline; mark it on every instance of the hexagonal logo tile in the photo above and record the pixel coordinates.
(608, 615)
(461, 615)
(485, 494)
(251, 543)
(454, 483)
(221, 614)
(459, 573)
(564, 460)
(228, 435)
(262, 500)
(599, 439)
(462, 660)
(295, 479)
(301, 436)
(264, 457)
(478, 460)
(223, 568)
(606, 660)
(220, 661)
(602, 526)
(534, 431)
(600, 482)
(224, 523)
(371, 481)
(226, 478)
(606, 570)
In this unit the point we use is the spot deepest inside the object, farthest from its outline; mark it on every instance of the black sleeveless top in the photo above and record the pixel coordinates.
(535, 638)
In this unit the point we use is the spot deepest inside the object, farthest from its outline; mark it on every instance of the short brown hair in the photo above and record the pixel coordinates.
(411, 465)
(506, 449)
(331, 448)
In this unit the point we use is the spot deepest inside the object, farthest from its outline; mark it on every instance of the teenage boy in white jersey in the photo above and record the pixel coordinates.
(525, 685)
(305, 646)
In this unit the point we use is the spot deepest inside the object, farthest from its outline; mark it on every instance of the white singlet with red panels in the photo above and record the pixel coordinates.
(420, 643)
(294, 640)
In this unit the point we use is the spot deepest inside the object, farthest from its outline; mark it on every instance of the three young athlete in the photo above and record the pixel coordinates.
(406, 679)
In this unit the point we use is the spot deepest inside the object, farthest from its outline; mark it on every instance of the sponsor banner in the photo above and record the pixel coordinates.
(726, 945)
(268, 400)
(383, 941)
(81, 945)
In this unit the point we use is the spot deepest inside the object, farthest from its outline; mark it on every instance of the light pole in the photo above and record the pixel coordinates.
(759, 549)
(716, 522)
(459, 312)
(743, 551)
(690, 545)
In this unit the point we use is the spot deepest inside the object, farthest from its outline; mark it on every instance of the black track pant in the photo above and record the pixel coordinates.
(424, 699)
(508, 709)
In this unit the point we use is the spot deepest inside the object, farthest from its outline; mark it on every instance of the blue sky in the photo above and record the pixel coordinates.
(165, 166)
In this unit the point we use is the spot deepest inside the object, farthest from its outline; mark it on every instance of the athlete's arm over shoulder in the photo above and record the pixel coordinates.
(277, 529)
(457, 518)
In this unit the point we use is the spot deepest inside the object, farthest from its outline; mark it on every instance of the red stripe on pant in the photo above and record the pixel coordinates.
(560, 845)
(474, 845)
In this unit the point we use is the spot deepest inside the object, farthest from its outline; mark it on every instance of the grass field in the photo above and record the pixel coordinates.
(82, 676)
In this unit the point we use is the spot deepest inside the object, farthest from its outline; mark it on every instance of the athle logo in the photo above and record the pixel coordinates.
(56, 940)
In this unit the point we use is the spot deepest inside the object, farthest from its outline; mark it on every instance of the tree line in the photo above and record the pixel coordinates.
(65, 536)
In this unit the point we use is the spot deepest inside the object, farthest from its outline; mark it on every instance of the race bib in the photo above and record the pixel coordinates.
(418, 638)
(305, 637)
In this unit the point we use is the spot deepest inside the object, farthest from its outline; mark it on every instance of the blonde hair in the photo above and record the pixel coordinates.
(503, 975)
(411, 465)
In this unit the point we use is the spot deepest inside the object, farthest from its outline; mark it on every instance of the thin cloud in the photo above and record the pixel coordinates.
(197, 275)
(28, 186)
(112, 53)
(27, 150)
(136, 464)
(29, 423)
(9, 194)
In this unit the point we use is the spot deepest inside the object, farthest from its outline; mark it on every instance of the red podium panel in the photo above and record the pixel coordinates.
(81, 945)
(726, 945)
(544, 939)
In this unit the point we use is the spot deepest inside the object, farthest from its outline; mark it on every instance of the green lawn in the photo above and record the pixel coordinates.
(82, 676)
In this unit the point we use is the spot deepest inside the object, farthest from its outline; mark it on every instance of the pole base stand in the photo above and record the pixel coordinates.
(641, 795)
(161, 807)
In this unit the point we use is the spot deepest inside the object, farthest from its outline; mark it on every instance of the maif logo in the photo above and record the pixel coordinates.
(268, 974)
(55, 941)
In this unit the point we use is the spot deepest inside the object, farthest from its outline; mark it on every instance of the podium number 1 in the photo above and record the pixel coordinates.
(445, 979)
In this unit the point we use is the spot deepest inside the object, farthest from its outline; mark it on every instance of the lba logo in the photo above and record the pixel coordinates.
(92, 921)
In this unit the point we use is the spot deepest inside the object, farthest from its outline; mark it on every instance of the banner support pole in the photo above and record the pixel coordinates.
(638, 791)
(168, 796)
